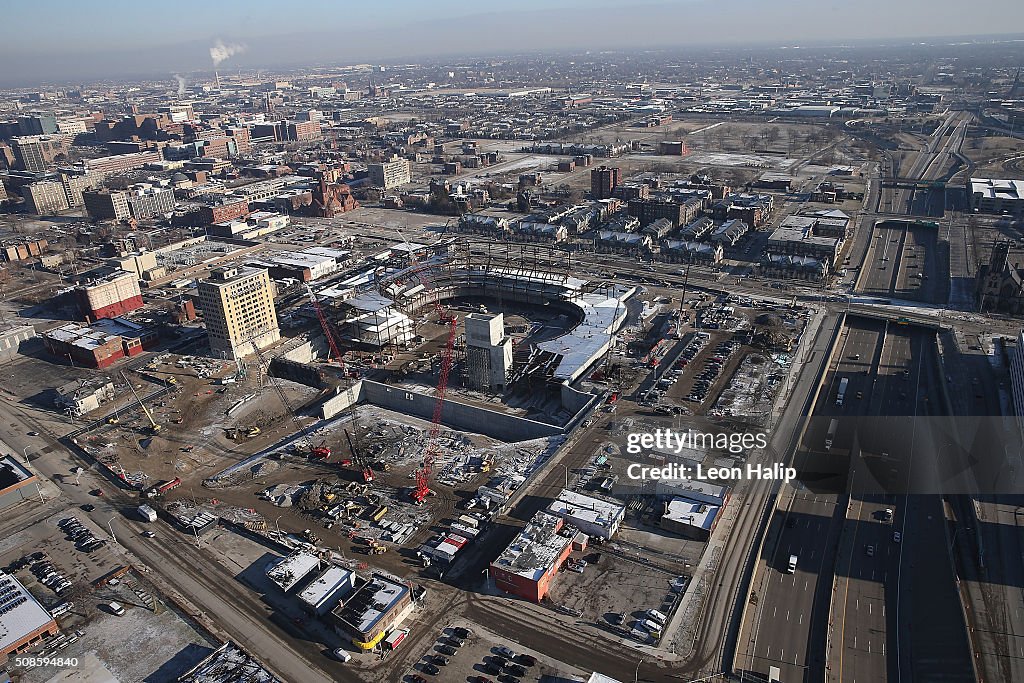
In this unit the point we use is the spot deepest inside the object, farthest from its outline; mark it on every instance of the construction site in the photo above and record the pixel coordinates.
(439, 386)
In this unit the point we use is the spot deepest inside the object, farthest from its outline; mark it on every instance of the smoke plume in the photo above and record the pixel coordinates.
(219, 52)
(181, 84)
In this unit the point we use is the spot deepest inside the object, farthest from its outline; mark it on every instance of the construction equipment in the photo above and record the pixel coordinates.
(320, 452)
(364, 466)
(422, 489)
(335, 353)
(154, 427)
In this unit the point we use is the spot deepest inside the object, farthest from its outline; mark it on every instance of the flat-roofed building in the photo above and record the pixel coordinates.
(45, 197)
(390, 174)
(596, 517)
(330, 587)
(89, 348)
(377, 606)
(531, 561)
(989, 195)
(690, 518)
(104, 204)
(109, 296)
(24, 623)
(37, 153)
(17, 482)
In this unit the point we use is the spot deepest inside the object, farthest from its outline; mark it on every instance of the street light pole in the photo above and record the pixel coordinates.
(636, 676)
(110, 528)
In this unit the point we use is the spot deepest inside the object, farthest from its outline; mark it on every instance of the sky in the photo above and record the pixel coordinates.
(66, 41)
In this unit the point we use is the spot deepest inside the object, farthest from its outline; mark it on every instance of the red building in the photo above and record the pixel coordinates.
(527, 566)
(228, 211)
(88, 348)
(603, 181)
(109, 297)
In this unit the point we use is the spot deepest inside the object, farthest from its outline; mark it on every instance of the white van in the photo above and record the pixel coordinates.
(652, 628)
(342, 655)
(656, 616)
(116, 607)
(791, 568)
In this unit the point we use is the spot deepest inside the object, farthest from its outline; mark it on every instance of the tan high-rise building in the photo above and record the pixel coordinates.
(238, 307)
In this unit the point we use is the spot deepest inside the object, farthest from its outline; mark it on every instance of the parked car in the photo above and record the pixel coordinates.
(506, 652)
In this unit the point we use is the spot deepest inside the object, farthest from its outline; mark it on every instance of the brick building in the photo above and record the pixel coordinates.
(225, 211)
(85, 347)
(109, 297)
(603, 181)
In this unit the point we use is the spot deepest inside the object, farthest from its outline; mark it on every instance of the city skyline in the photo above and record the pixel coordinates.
(128, 44)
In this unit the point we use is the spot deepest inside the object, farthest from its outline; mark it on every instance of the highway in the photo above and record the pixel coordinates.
(902, 262)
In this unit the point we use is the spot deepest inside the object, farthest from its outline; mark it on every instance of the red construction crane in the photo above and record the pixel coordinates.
(422, 489)
(364, 466)
(335, 353)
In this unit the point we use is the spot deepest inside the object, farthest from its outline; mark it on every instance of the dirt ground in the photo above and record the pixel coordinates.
(618, 579)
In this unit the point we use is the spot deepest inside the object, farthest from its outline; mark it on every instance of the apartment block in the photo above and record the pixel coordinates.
(37, 153)
(390, 173)
(45, 197)
(106, 204)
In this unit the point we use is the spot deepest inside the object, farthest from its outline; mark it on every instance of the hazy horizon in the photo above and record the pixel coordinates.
(121, 41)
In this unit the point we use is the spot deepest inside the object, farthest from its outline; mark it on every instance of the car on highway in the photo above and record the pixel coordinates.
(897, 537)
(33, 433)
(870, 550)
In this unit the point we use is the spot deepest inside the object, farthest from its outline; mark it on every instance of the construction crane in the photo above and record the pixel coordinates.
(364, 466)
(149, 416)
(326, 328)
(321, 452)
(416, 268)
(422, 489)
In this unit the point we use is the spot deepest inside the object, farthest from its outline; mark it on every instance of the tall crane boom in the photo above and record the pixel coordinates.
(149, 416)
(320, 451)
(326, 328)
(364, 466)
(422, 489)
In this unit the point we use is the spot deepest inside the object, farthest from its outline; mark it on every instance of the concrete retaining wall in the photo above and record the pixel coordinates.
(341, 401)
(458, 415)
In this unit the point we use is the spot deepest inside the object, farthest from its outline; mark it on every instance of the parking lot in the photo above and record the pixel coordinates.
(467, 652)
(65, 564)
(616, 588)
